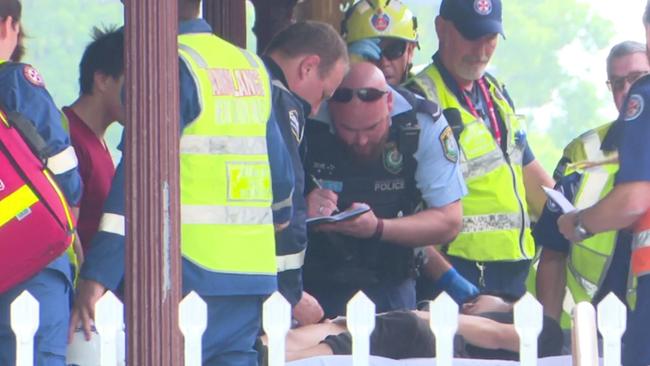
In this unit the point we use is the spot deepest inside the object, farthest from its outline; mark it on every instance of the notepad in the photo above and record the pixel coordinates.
(341, 216)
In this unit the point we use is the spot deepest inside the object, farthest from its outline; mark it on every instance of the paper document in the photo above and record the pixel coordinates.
(559, 199)
(341, 216)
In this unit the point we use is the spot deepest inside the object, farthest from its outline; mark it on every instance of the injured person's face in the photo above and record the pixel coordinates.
(486, 304)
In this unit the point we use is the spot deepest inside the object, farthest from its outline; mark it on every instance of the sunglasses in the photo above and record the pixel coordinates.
(394, 50)
(344, 95)
(618, 84)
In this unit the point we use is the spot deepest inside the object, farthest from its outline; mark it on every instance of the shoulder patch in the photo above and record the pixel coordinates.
(635, 106)
(449, 146)
(33, 76)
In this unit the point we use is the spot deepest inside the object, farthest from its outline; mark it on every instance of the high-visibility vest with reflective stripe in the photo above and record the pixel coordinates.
(226, 217)
(495, 213)
(590, 259)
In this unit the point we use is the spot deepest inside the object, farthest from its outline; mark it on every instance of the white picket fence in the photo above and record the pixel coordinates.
(611, 322)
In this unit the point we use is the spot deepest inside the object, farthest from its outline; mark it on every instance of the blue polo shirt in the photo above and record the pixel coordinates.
(105, 261)
(634, 124)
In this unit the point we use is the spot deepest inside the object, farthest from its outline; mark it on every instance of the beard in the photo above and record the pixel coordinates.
(370, 154)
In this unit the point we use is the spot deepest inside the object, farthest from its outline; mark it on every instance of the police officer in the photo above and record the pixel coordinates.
(22, 90)
(494, 248)
(306, 62)
(391, 152)
(585, 173)
(627, 205)
(383, 32)
(216, 246)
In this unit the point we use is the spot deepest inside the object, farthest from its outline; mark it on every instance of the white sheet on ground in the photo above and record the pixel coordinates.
(380, 361)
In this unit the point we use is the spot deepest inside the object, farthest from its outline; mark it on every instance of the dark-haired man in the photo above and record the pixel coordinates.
(101, 77)
(306, 61)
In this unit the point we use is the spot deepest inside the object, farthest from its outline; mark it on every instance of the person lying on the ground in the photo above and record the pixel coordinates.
(485, 331)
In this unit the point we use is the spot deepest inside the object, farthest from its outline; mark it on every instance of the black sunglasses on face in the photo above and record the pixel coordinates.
(394, 50)
(344, 95)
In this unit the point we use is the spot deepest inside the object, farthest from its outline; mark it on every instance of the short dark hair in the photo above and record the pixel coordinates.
(623, 49)
(311, 38)
(104, 54)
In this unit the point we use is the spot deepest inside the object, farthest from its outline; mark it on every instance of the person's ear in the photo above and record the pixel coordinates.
(308, 66)
(100, 81)
(6, 26)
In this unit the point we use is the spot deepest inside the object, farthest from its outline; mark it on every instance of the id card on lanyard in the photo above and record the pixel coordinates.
(494, 123)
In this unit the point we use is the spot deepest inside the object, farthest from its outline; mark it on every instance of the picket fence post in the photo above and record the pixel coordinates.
(109, 320)
(193, 321)
(360, 313)
(612, 319)
(276, 321)
(584, 338)
(24, 312)
(529, 320)
(443, 320)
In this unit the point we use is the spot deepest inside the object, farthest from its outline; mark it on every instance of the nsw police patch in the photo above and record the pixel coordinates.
(635, 107)
(393, 159)
(33, 76)
(449, 146)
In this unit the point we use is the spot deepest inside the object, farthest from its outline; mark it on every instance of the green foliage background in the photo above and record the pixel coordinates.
(527, 61)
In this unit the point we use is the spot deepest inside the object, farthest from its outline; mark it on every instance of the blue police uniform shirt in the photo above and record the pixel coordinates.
(105, 260)
(634, 124)
(20, 94)
(439, 180)
(479, 105)
(547, 234)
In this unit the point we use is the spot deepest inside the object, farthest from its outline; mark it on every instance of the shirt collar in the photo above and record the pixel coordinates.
(194, 26)
(276, 73)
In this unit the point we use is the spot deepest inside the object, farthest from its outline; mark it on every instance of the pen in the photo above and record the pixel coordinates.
(320, 186)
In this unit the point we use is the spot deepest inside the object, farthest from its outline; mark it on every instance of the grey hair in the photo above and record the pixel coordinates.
(623, 49)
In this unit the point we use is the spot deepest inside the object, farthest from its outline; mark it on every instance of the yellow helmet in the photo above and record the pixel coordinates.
(379, 18)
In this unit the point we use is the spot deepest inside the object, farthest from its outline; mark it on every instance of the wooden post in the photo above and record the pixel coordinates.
(328, 11)
(152, 281)
(271, 16)
(228, 19)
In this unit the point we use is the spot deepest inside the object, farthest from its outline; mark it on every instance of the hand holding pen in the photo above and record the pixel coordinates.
(321, 201)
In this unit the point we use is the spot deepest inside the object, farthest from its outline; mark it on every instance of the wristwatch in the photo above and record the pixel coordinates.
(580, 231)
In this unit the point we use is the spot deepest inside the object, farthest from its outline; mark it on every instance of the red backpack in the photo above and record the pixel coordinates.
(36, 225)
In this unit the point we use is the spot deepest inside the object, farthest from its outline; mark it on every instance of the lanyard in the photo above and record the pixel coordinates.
(490, 107)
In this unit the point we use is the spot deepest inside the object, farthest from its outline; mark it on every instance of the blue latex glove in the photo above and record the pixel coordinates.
(367, 49)
(457, 286)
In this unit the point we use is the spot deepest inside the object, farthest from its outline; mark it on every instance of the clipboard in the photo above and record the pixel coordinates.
(348, 214)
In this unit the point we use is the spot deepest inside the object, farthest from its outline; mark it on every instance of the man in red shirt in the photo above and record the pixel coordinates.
(101, 76)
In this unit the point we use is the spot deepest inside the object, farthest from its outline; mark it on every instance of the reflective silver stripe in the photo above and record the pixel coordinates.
(216, 145)
(283, 204)
(250, 58)
(200, 61)
(641, 240)
(279, 84)
(592, 187)
(591, 144)
(483, 164)
(517, 156)
(63, 161)
(493, 222)
(112, 223)
(290, 261)
(226, 215)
